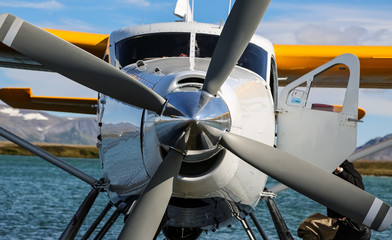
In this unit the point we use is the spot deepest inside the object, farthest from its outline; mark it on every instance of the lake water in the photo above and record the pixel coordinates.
(37, 201)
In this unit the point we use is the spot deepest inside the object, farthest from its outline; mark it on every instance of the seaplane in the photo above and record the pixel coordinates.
(190, 122)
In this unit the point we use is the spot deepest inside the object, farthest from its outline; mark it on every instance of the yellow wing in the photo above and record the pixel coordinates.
(23, 98)
(294, 61)
(94, 43)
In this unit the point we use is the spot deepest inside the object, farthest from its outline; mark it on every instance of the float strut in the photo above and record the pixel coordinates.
(120, 209)
(247, 229)
(280, 225)
(79, 217)
(258, 226)
(48, 157)
(97, 221)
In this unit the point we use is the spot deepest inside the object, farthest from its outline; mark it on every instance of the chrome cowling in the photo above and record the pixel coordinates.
(199, 109)
(208, 172)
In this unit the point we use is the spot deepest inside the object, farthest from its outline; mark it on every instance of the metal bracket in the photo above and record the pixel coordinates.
(101, 185)
(354, 120)
(280, 111)
(268, 194)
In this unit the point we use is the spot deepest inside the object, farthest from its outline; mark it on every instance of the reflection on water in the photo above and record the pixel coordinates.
(38, 200)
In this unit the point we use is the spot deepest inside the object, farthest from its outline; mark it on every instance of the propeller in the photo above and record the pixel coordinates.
(77, 64)
(149, 210)
(311, 181)
(236, 34)
(146, 216)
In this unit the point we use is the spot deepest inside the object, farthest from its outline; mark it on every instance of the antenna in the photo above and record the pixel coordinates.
(144, 11)
(193, 9)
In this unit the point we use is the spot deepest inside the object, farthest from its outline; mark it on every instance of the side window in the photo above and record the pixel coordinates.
(317, 94)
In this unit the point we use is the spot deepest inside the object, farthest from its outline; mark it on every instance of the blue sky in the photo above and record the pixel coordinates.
(287, 22)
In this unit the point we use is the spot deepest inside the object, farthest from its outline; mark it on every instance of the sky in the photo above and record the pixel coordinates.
(322, 22)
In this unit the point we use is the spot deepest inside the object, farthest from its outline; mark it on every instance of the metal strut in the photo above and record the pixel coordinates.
(48, 157)
(280, 225)
(258, 226)
(97, 221)
(247, 229)
(73, 227)
(79, 217)
(243, 221)
(120, 209)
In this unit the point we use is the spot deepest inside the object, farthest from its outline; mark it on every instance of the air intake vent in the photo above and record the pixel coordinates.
(191, 80)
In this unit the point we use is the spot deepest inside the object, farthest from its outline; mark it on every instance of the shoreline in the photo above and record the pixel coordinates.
(58, 150)
(364, 166)
(374, 167)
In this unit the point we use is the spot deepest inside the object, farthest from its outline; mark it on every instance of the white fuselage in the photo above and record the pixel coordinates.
(215, 181)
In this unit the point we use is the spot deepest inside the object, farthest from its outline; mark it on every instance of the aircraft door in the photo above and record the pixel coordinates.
(322, 134)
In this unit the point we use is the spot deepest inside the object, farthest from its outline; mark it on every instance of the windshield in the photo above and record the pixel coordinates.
(160, 45)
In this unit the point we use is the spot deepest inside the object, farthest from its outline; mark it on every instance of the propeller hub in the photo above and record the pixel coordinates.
(199, 109)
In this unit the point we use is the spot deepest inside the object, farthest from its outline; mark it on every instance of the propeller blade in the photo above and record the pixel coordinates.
(311, 181)
(236, 34)
(146, 216)
(76, 64)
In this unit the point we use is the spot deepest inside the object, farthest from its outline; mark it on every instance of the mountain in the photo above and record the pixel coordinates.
(36, 126)
(383, 155)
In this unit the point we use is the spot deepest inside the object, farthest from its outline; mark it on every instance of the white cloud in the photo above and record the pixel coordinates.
(376, 101)
(328, 24)
(140, 3)
(50, 5)
(28, 116)
(325, 35)
(69, 24)
(45, 83)
(12, 112)
(34, 116)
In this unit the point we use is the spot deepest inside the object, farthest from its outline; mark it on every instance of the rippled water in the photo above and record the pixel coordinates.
(38, 200)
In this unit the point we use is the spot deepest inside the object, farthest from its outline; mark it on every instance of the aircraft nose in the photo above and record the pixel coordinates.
(199, 109)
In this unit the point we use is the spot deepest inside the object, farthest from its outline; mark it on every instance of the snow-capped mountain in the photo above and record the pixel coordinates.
(383, 155)
(36, 126)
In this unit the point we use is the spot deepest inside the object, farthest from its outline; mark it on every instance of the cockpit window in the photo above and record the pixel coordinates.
(136, 48)
(254, 58)
(159, 45)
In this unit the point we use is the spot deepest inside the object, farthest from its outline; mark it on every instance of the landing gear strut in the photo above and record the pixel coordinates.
(97, 186)
(280, 225)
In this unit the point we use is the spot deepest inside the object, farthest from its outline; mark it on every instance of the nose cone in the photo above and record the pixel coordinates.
(199, 109)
